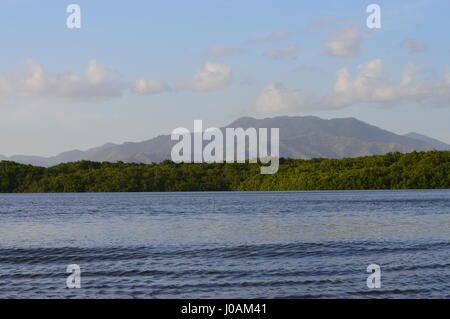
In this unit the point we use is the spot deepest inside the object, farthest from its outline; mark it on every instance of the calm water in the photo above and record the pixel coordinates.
(226, 245)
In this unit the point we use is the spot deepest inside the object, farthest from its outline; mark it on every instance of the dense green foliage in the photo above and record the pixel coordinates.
(391, 171)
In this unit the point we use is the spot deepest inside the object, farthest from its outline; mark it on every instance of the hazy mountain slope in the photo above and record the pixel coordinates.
(70, 156)
(438, 145)
(307, 137)
(26, 159)
(300, 137)
(154, 150)
(295, 127)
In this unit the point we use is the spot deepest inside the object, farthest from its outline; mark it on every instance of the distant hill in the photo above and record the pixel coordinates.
(438, 145)
(311, 137)
(66, 157)
(300, 138)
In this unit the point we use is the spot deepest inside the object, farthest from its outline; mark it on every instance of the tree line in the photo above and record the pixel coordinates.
(416, 170)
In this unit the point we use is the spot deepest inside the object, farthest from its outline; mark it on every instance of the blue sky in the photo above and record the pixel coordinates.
(137, 69)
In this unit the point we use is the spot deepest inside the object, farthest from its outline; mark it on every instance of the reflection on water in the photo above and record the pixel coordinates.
(288, 244)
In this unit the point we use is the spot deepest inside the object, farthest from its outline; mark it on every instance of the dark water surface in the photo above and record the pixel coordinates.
(226, 245)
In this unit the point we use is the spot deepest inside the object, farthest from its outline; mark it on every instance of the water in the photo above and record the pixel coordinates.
(226, 245)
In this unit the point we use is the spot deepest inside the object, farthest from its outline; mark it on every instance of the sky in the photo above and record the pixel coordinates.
(138, 69)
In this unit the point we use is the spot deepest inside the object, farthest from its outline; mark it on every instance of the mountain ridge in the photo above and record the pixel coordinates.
(300, 137)
(439, 145)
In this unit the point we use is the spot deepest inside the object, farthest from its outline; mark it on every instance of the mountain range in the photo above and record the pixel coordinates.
(300, 137)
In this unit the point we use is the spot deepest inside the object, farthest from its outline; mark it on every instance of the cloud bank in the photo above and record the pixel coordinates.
(95, 84)
(369, 85)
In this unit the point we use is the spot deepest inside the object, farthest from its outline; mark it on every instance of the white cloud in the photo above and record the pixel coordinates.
(212, 76)
(370, 85)
(345, 43)
(97, 73)
(281, 53)
(276, 98)
(215, 52)
(149, 87)
(413, 47)
(94, 85)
